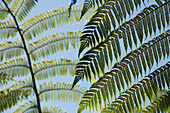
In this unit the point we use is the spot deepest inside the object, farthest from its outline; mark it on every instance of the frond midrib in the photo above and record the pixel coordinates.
(67, 89)
(15, 66)
(19, 7)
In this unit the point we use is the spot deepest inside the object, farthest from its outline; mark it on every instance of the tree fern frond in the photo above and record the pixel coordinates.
(96, 58)
(48, 20)
(88, 4)
(144, 20)
(10, 49)
(15, 67)
(47, 69)
(27, 83)
(3, 12)
(9, 98)
(8, 29)
(52, 44)
(60, 92)
(147, 86)
(108, 84)
(161, 104)
(46, 109)
(28, 107)
(21, 8)
(5, 78)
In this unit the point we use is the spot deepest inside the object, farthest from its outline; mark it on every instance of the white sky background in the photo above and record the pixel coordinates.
(46, 5)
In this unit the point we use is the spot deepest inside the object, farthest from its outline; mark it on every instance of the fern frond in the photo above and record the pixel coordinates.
(3, 12)
(97, 58)
(16, 67)
(47, 69)
(52, 44)
(60, 92)
(161, 104)
(21, 8)
(8, 29)
(138, 92)
(146, 20)
(10, 49)
(48, 20)
(9, 98)
(5, 78)
(108, 84)
(30, 107)
(21, 84)
(46, 109)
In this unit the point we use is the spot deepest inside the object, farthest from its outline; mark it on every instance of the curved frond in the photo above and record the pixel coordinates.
(88, 4)
(99, 26)
(120, 74)
(48, 20)
(54, 68)
(10, 49)
(60, 92)
(23, 84)
(46, 109)
(21, 8)
(161, 104)
(8, 29)
(15, 67)
(9, 98)
(31, 107)
(49, 45)
(96, 58)
(28, 107)
(5, 78)
(3, 12)
(135, 96)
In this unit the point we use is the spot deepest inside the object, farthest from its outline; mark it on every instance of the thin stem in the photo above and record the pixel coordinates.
(27, 54)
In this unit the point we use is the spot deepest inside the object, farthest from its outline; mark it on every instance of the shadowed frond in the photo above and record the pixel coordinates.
(49, 45)
(48, 20)
(115, 80)
(21, 8)
(54, 68)
(88, 4)
(3, 12)
(126, 5)
(16, 67)
(10, 49)
(8, 29)
(161, 104)
(28, 107)
(96, 58)
(135, 96)
(145, 21)
(5, 78)
(60, 92)
(9, 98)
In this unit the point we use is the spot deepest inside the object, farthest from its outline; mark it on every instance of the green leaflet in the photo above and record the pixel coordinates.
(21, 8)
(8, 29)
(53, 68)
(53, 43)
(60, 92)
(10, 49)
